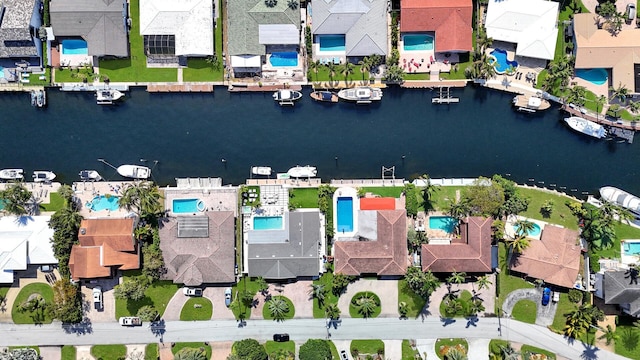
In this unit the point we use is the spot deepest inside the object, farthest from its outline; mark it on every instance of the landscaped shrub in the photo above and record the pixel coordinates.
(594, 262)
(575, 296)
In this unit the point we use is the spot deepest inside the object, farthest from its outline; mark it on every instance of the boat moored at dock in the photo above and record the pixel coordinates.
(586, 127)
(302, 171)
(89, 175)
(261, 170)
(530, 103)
(134, 171)
(286, 96)
(43, 176)
(324, 96)
(108, 96)
(11, 174)
(361, 94)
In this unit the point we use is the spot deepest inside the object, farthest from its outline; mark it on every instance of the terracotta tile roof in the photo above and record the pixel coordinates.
(450, 20)
(554, 259)
(472, 253)
(84, 263)
(376, 203)
(387, 255)
(118, 233)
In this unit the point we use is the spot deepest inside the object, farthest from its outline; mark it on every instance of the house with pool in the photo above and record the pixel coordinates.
(348, 30)
(264, 39)
(20, 21)
(620, 287)
(370, 235)
(433, 33)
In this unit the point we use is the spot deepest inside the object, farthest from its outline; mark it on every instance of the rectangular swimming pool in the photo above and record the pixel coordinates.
(74, 47)
(631, 248)
(183, 206)
(331, 42)
(284, 59)
(344, 214)
(417, 42)
(267, 223)
(445, 223)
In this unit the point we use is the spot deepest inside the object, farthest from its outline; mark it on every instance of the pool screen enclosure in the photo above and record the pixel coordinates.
(160, 45)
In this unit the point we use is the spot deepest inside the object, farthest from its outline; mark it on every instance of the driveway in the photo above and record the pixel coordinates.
(478, 349)
(392, 349)
(108, 312)
(220, 310)
(51, 352)
(427, 348)
(544, 314)
(297, 292)
(221, 349)
(387, 291)
(346, 345)
(173, 309)
(488, 300)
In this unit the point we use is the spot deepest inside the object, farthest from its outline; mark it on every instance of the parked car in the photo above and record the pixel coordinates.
(280, 337)
(97, 298)
(130, 321)
(546, 296)
(192, 291)
(343, 355)
(227, 296)
(556, 296)
(631, 12)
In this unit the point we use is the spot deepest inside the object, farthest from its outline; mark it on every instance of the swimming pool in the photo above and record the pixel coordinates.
(594, 76)
(181, 206)
(104, 203)
(445, 223)
(1, 72)
(534, 232)
(331, 42)
(284, 59)
(267, 223)
(74, 47)
(417, 42)
(344, 214)
(501, 64)
(631, 247)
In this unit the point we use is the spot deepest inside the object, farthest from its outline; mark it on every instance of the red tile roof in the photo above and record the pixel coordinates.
(555, 258)
(471, 253)
(117, 232)
(387, 255)
(451, 21)
(375, 203)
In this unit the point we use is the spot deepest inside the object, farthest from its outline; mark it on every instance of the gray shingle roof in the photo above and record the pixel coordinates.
(286, 254)
(619, 289)
(99, 22)
(15, 38)
(363, 22)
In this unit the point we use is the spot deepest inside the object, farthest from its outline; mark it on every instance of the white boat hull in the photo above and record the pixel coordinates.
(586, 127)
(361, 95)
(261, 170)
(621, 198)
(43, 176)
(108, 96)
(134, 171)
(11, 174)
(89, 175)
(302, 171)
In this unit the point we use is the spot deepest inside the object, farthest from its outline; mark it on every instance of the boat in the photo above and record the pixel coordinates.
(43, 176)
(286, 97)
(361, 94)
(41, 98)
(324, 96)
(302, 171)
(261, 170)
(11, 174)
(90, 175)
(530, 103)
(34, 98)
(134, 171)
(586, 127)
(621, 198)
(108, 96)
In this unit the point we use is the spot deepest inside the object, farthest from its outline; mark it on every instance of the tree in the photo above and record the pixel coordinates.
(132, 288)
(347, 70)
(547, 208)
(315, 66)
(621, 92)
(143, 197)
(340, 282)
(483, 282)
(633, 106)
(600, 101)
(365, 66)
(147, 313)
(609, 334)
(427, 192)
(318, 291)
(152, 260)
(523, 227)
(394, 74)
(497, 230)
(422, 283)
(332, 311)
(457, 209)
(484, 197)
(416, 238)
(411, 200)
(577, 95)
(263, 286)
(67, 304)
(249, 349)
(517, 244)
(15, 198)
(607, 9)
(332, 70)
(455, 354)
(508, 352)
(315, 349)
(403, 309)
(456, 277)
(366, 303)
(278, 308)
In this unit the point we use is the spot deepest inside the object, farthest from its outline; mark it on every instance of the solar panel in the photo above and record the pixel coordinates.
(193, 227)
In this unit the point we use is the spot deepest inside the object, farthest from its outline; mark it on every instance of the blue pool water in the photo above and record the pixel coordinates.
(631, 248)
(595, 76)
(414, 42)
(74, 47)
(1, 77)
(446, 223)
(267, 223)
(535, 232)
(344, 214)
(502, 64)
(181, 206)
(283, 59)
(104, 203)
(331, 42)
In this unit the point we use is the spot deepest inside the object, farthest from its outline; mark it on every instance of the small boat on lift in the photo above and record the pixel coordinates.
(43, 176)
(108, 96)
(11, 174)
(324, 96)
(134, 171)
(530, 103)
(286, 97)
(303, 171)
(90, 175)
(261, 170)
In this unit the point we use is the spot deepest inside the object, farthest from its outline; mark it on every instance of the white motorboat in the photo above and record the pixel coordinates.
(43, 176)
(90, 175)
(261, 170)
(361, 94)
(286, 97)
(302, 171)
(586, 127)
(41, 98)
(11, 174)
(530, 104)
(134, 171)
(621, 198)
(108, 96)
(324, 96)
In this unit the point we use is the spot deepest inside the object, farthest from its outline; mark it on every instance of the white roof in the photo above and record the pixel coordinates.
(24, 241)
(531, 24)
(191, 21)
(246, 61)
(269, 34)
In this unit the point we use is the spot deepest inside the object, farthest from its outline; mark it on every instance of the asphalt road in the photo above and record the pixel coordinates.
(301, 329)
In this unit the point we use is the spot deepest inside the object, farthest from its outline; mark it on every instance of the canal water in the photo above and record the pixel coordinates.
(189, 135)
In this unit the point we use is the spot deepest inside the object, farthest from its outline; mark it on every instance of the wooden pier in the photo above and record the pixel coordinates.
(444, 96)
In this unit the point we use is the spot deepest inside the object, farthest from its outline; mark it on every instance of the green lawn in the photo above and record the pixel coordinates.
(443, 344)
(417, 76)
(266, 314)
(66, 75)
(326, 279)
(464, 298)
(334, 350)
(353, 310)
(443, 196)
(408, 353)
(199, 69)
(629, 342)
(304, 198)
(151, 352)
(507, 283)
(40, 316)
(324, 75)
(272, 347)
(525, 311)
(465, 61)
(196, 308)
(623, 231)
(56, 202)
(158, 295)
(69, 353)
(108, 352)
(560, 215)
(415, 303)
(385, 191)
(195, 345)
(564, 306)
(248, 284)
(534, 350)
(367, 346)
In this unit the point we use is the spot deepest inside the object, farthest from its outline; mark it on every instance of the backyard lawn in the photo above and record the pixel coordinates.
(56, 202)
(196, 308)
(158, 295)
(560, 215)
(39, 316)
(385, 191)
(108, 351)
(194, 345)
(414, 302)
(306, 198)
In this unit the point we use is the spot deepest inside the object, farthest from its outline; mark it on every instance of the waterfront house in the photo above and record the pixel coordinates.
(555, 258)
(598, 48)
(105, 246)
(20, 22)
(348, 30)
(621, 288)
(175, 30)
(471, 252)
(102, 24)
(24, 241)
(529, 24)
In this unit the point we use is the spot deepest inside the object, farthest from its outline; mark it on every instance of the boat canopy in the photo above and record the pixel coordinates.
(326, 95)
(363, 92)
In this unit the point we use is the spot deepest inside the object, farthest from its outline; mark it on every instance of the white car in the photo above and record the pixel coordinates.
(192, 291)
(97, 297)
(227, 296)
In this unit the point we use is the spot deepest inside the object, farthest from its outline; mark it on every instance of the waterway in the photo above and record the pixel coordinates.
(189, 135)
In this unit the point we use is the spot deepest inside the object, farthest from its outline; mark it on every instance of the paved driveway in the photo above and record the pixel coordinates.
(544, 314)
(387, 291)
(51, 352)
(220, 310)
(174, 307)
(345, 345)
(221, 349)
(108, 312)
(392, 349)
(478, 349)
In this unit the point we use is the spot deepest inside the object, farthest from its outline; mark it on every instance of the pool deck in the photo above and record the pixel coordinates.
(40, 192)
(511, 220)
(223, 198)
(628, 259)
(86, 191)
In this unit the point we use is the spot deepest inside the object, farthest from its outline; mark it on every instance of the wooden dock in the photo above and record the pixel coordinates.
(444, 97)
(619, 128)
(187, 87)
(250, 87)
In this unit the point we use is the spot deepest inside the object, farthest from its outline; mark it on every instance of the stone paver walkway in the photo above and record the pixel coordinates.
(392, 349)
(220, 310)
(427, 348)
(136, 351)
(51, 352)
(478, 349)
(84, 353)
(165, 351)
(387, 291)
(173, 309)
(221, 349)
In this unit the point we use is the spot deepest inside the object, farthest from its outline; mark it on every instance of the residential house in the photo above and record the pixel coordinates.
(101, 23)
(24, 241)
(471, 253)
(20, 22)
(199, 249)
(555, 258)
(105, 246)
(621, 288)
(529, 24)
(597, 48)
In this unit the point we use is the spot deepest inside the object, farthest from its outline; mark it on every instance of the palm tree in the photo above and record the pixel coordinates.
(518, 244)
(394, 74)
(263, 285)
(318, 291)
(455, 354)
(143, 197)
(347, 70)
(427, 192)
(403, 309)
(367, 304)
(633, 106)
(457, 277)
(16, 199)
(476, 307)
(523, 227)
(600, 101)
(66, 192)
(365, 66)
(457, 209)
(483, 282)
(332, 311)
(332, 70)
(577, 95)
(621, 92)
(609, 335)
(278, 308)
(508, 352)
(315, 66)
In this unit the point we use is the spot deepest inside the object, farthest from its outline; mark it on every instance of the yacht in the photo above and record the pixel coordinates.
(134, 171)
(621, 198)
(108, 96)
(261, 170)
(324, 96)
(90, 175)
(361, 94)
(11, 174)
(586, 127)
(43, 176)
(286, 97)
(302, 171)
